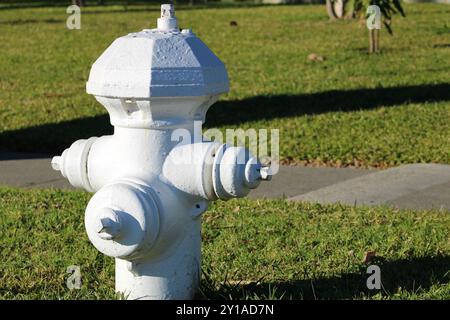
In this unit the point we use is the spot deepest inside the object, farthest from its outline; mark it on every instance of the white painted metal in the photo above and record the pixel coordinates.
(151, 189)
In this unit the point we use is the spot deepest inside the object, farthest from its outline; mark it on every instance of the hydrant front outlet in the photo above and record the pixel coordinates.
(150, 189)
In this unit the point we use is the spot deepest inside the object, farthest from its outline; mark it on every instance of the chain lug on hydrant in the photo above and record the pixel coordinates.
(151, 189)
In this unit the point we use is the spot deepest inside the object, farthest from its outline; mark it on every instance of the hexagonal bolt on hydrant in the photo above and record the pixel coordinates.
(150, 189)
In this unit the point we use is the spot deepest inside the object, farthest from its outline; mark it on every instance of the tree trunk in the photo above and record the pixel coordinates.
(79, 3)
(377, 41)
(335, 9)
(330, 10)
(372, 42)
(339, 8)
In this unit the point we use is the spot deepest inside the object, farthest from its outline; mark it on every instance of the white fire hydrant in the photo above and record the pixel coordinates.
(151, 188)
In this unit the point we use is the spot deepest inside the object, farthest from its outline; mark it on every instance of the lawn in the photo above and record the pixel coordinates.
(351, 109)
(251, 250)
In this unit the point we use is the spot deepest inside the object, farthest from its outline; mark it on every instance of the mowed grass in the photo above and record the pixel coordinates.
(351, 109)
(251, 250)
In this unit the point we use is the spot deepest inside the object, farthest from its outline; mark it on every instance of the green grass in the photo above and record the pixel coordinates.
(353, 108)
(251, 250)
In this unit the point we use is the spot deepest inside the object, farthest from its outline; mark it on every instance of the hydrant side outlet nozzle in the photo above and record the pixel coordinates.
(150, 190)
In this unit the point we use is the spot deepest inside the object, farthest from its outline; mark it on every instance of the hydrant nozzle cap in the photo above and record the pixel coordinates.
(122, 220)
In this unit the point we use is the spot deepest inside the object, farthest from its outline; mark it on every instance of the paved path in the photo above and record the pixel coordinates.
(29, 170)
(416, 186)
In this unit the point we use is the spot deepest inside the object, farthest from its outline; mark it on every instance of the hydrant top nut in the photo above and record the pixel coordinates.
(109, 224)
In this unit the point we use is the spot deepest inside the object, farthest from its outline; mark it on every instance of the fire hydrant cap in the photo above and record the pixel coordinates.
(122, 220)
(159, 62)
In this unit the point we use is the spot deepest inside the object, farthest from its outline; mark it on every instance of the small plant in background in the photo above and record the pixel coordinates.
(349, 9)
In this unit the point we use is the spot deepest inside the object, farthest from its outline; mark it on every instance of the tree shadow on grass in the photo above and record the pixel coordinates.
(281, 106)
(30, 21)
(411, 276)
(55, 137)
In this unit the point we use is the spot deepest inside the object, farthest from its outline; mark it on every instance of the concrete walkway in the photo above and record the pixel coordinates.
(29, 170)
(416, 186)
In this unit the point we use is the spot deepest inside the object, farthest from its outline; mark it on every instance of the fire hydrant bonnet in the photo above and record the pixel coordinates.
(157, 63)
